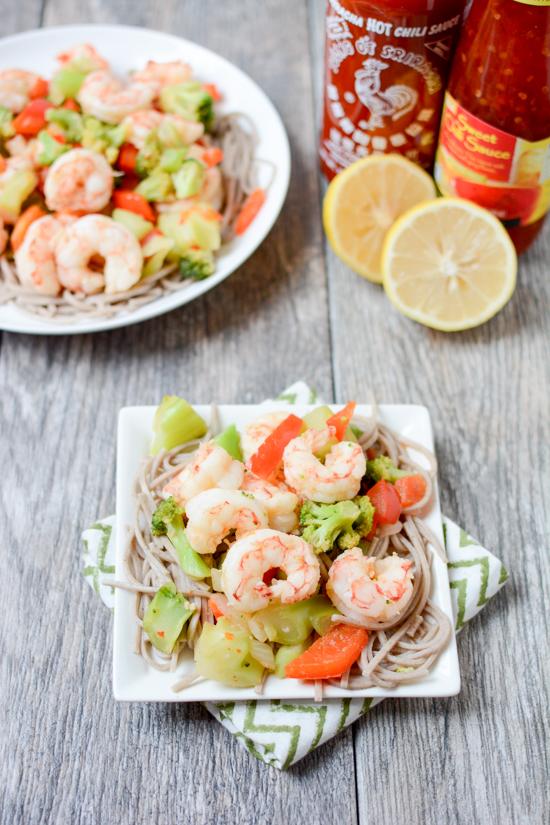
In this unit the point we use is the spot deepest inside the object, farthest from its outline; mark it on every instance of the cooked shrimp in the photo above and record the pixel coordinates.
(280, 503)
(215, 513)
(84, 56)
(79, 181)
(255, 433)
(250, 558)
(35, 261)
(163, 74)
(366, 589)
(105, 97)
(139, 125)
(96, 237)
(337, 479)
(211, 467)
(15, 86)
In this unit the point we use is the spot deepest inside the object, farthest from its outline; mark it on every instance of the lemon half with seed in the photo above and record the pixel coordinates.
(363, 202)
(449, 264)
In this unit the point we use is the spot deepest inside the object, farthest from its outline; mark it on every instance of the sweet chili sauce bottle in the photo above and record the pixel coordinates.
(386, 64)
(494, 143)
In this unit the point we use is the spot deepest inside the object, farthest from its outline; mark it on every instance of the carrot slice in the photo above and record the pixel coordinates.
(341, 419)
(33, 118)
(212, 90)
(330, 655)
(126, 160)
(215, 608)
(134, 202)
(71, 104)
(22, 224)
(211, 157)
(411, 489)
(387, 503)
(250, 209)
(267, 458)
(40, 88)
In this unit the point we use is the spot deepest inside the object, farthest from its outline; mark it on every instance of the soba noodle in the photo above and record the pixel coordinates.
(235, 134)
(398, 651)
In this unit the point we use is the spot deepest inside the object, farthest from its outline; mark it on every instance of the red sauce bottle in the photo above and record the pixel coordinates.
(494, 144)
(386, 64)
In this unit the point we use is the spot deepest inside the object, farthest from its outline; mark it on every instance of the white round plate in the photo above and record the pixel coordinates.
(128, 48)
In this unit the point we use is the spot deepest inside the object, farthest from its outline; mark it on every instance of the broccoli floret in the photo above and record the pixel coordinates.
(383, 467)
(325, 526)
(190, 100)
(363, 523)
(167, 520)
(197, 264)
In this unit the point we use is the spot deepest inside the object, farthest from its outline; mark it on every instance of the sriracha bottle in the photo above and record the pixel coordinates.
(494, 143)
(386, 64)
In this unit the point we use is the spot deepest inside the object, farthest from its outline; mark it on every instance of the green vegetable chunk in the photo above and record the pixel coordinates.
(172, 159)
(155, 251)
(15, 190)
(137, 225)
(197, 264)
(292, 624)
(230, 440)
(341, 525)
(188, 100)
(287, 654)
(192, 229)
(149, 155)
(64, 84)
(175, 422)
(166, 616)
(167, 520)
(156, 187)
(6, 123)
(382, 467)
(49, 149)
(189, 178)
(223, 653)
(70, 122)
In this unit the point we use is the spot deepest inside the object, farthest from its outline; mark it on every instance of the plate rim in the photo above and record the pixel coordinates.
(447, 689)
(36, 326)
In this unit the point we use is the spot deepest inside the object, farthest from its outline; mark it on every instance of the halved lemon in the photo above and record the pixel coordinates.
(362, 203)
(449, 264)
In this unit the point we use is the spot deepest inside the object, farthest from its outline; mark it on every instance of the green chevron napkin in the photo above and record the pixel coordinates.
(281, 733)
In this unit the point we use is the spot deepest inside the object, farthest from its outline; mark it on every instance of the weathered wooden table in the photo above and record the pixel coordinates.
(69, 753)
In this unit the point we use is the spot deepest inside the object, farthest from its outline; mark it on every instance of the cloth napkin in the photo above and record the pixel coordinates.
(281, 733)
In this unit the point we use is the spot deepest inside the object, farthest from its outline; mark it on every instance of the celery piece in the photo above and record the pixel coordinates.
(149, 155)
(49, 149)
(287, 654)
(155, 250)
(137, 225)
(156, 187)
(65, 84)
(317, 420)
(291, 624)
(6, 123)
(70, 122)
(196, 264)
(188, 100)
(223, 653)
(175, 422)
(169, 135)
(230, 440)
(189, 178)
(166, 616)
(172, 159)
(14, 192)
(189, 560)
(192, 229)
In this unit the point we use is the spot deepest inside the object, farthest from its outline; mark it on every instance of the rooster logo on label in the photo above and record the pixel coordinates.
(394, 101)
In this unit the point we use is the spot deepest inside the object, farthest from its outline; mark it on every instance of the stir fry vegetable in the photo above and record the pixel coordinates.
(165, 617)
(175, 423)
(330, 655)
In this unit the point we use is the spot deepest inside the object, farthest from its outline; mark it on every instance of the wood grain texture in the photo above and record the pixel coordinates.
(480, 757)
(68, 753)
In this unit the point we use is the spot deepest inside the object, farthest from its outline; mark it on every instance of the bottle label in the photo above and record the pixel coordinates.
(534, 2)
(505, 174)
(385, 76)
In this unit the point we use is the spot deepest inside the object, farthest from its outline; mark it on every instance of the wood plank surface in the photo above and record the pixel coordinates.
(68, 753)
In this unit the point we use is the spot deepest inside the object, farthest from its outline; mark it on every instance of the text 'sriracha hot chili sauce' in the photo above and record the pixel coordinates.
(386, 65)
(494, 144)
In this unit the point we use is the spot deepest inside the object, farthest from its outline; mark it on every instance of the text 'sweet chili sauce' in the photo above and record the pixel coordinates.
(494, 142)
(386, 65)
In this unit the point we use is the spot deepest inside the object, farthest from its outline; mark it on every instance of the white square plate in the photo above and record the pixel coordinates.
(136, 681)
